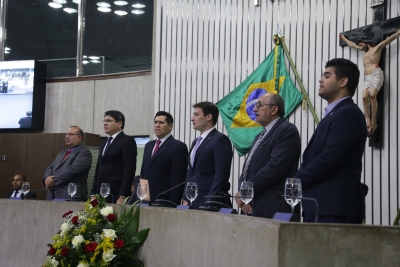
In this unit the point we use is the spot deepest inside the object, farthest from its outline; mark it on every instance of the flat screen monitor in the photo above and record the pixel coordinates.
(22, 96)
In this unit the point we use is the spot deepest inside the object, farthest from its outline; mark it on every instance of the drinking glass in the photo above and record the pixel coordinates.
(105, 190)
(141, 191)
(26, 187)
(191, 191)
(293, 191)
(246, 192)
(72, 189)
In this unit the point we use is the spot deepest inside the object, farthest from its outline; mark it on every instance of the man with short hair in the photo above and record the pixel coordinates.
(17, 181)
(116, 164)
(210, 152)
(273, 157)
(332, 162)
(373, 74)
(71, 165)
(165, 161)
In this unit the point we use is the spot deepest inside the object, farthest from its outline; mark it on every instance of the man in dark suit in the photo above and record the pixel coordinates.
(165, 161)
(116, 164)
(273, 157)
(71, 165)
(211, 152)
(26, 122)
(332, 162)
(17, 181)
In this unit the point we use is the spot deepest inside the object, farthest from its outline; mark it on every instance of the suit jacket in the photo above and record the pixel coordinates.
(74, 169)
(332, 163)
(166, 169)
(117, 167)
(214, 155)
(29, 195)
(275, 159)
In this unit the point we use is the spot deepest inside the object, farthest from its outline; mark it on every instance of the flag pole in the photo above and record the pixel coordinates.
(280, 41)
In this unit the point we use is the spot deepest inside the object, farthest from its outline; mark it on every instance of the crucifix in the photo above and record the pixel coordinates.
(364, 39)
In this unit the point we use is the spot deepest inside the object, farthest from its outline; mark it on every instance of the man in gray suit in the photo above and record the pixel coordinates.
(71, 165)
(273, 157)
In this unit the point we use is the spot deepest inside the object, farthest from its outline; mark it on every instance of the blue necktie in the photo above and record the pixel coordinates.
(107, 145)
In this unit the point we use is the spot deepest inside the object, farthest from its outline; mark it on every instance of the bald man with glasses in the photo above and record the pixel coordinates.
(273, 157)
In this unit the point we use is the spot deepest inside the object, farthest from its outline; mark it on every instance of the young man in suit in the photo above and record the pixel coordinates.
(17, 181)
(116, 164)
(71, 165)
(332, 162)
(210, 152)
(165, 161)
(273, 157)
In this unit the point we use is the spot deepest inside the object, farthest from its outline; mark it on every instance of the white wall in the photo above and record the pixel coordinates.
(205, 48)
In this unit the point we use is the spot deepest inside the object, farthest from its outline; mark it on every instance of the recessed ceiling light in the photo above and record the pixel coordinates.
(7, 48)
(120, 3)
(120, 12)
(60, 1)
(94, 57)
(95, 61)
(137, 12)
(103, 4)
(55, 5)
(70, 10)
(138, 6)
(76, 1)
(104, 9)
(6, 52)
(85, 62)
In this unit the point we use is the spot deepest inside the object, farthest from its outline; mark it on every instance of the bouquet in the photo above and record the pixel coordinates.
(95, 236)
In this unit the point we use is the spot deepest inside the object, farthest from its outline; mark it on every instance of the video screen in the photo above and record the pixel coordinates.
(16, 93)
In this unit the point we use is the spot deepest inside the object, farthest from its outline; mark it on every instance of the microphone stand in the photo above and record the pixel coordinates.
(308, 199)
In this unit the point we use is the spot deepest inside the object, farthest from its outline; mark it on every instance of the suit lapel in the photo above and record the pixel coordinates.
(162, 148)
(112, 145)
(204, 144)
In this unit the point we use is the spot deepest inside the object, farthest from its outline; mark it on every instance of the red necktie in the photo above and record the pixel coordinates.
(66, 154)
(158, 142)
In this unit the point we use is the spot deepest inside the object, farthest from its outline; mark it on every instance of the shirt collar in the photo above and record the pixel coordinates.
(115, 135)
(331, 106)
(164, 138)
(204, 135)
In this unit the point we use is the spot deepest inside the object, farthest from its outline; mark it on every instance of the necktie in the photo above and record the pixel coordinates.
(195, 148)
(158, 142)
(66, 154)
(108, 144)
(246, 166)
(15, 194)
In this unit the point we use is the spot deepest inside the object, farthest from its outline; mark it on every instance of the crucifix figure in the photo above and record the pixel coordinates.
(373, 74)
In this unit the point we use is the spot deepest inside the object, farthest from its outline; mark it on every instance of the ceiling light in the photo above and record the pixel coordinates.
(103, 4)
(137, 12)
(138, 6)
(76, 1)
(60, 1)
(6, 52)
(85, 62)
(120, 3)
(55, 5)
(104, 9)
(95, 61)
(120, 12)
(70, 10)
(84, 56)
(94, 57)
(7, 48)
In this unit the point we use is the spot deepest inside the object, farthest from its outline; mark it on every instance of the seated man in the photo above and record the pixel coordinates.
(17, 181)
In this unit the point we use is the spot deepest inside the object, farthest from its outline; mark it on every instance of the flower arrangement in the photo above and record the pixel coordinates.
(95, 236)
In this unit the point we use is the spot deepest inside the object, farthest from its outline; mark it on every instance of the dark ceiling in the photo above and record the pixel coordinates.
(37, 31)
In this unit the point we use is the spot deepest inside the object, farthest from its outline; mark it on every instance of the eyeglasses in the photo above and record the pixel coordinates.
(108, 121)
(69, 134)
(261, 104)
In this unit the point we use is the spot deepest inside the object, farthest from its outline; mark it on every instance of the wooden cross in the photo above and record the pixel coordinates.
(377, 31)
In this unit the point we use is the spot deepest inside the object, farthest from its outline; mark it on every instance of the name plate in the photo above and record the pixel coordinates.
(15, 198)
(286, 217)
(183, 207)
(59, 199)
(228, 211)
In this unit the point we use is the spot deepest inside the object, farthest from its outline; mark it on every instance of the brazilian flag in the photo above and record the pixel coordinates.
(237, 107)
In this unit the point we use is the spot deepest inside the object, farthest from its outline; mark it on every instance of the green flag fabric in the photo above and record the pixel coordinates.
(236, 108)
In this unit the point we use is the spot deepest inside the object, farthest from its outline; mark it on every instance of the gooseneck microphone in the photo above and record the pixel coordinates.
(308, 199)
(167, 203)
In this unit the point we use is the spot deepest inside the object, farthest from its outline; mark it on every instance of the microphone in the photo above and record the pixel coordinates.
(308, 199)
(167, 203)
(37, 190)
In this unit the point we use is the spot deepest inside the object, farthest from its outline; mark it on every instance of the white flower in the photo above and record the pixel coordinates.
(109, 233)
(53, 262)
(77, 240)
(83, 264)
(106, 211)
(65, 227)
(108, 255)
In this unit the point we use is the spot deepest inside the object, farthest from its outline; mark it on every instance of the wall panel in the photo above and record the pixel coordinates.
(205, 48)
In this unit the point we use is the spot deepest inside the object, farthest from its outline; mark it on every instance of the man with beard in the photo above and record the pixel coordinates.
(373, 74)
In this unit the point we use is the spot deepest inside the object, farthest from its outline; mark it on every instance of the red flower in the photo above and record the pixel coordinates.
(94, 202)
(74, 220)
(111, 217)
(52, 250)
(91, 247)
(119, 243)
(64, 251)
(67, 213)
